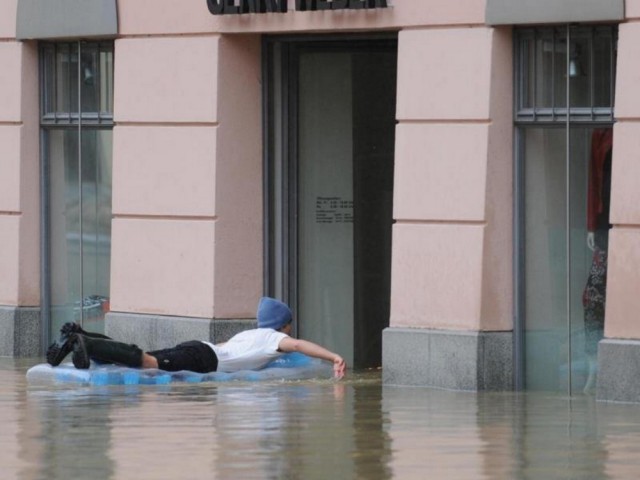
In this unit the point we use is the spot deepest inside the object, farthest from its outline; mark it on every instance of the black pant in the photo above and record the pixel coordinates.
(194, 356)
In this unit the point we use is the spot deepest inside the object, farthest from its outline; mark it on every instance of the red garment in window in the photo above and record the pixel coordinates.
(601, 144)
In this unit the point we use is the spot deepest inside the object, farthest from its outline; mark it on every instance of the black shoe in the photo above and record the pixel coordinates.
(60, 348)
(80, 356)
(71, 327)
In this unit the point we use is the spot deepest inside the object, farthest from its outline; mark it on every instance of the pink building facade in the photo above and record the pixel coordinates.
(412, 176)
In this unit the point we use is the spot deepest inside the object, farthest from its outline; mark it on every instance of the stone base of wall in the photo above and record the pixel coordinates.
(474, 361)
(20, 332)
(619, 370)
(151, 332)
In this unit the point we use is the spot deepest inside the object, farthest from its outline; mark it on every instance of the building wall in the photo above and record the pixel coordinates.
(19, 190)
(187, 197)
(148, 17)
(187, 181)
(175, 273)
(624, 261)
(164, 175)
(453, 178)
(619, 352)
(187, 162)
(452, 241)
(19, 170)
(187, 177)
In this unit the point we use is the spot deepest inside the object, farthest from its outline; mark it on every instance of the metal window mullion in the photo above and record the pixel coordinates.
(54, 101)
(45, 243)
(518, 104)
(110, 89)
(521, 75)
(522, 47)
(44, 98)
(518, 265)
(44, 217)
(54, 75)
(291, 95)
(80, 193)
(69, 109)
(592, 70)
(107, 99)
(612, 73)
(97, 177)
(568, 213)
(535, 72)
(98, 81)
(267, 168)
(519, 80)
(286, 213)
(553, 74)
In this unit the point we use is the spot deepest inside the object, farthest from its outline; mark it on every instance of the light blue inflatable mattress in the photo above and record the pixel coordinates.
(290, 366)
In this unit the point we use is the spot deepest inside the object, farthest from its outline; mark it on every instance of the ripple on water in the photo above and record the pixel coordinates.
(354, 428)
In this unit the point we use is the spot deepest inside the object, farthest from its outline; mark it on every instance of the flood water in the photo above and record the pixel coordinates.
(352, 429)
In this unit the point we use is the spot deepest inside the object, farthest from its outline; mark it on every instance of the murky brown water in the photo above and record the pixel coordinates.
(353, 429)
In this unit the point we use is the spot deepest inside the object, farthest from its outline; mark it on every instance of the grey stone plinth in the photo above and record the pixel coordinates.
(473, 361)
(151, 332)
(20, 332)
(223, 330)
(619, 370)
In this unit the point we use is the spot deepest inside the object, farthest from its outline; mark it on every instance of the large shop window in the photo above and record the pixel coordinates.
(76, 123)
(565, 78)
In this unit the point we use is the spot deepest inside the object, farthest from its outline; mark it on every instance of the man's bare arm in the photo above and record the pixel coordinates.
(289, 344)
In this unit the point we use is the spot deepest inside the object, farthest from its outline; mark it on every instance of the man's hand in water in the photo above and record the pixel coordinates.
(289, 344)
(339, 367)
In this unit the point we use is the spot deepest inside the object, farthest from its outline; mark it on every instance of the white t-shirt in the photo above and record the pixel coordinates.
(248, 350)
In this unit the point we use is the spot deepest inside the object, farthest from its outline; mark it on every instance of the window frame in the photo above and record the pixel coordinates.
(557, 114)
(63, 120)
(548, 117)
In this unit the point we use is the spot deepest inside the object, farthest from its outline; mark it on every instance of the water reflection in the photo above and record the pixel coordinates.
(352, 429)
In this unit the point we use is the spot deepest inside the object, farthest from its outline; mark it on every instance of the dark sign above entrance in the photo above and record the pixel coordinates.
(225, 7)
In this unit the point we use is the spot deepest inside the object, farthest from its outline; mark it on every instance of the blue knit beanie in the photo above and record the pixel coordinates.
(273, 313)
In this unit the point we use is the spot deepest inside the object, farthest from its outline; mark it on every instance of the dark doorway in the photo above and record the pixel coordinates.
(330, 150)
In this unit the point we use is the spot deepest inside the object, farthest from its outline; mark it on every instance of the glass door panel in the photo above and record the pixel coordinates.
(96, 226)
(591, 160)
(545, 260)
(80, 226)
(65, 232)
(580, 255)
(564, 277)
(325, 196)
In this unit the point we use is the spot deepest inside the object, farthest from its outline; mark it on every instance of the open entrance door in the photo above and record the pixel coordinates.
(330, 150)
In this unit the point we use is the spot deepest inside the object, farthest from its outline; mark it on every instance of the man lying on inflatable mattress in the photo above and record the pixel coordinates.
(248, 350)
